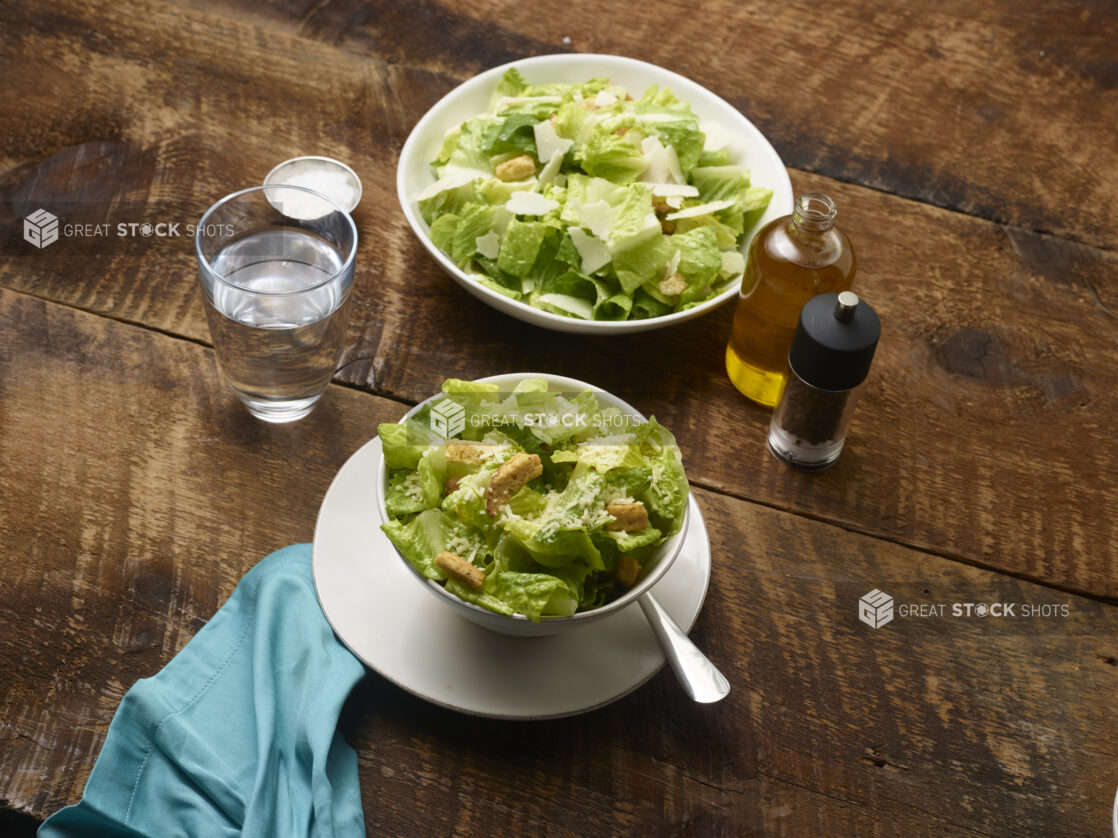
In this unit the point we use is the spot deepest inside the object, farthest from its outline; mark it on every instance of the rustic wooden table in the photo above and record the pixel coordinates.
(970, 148)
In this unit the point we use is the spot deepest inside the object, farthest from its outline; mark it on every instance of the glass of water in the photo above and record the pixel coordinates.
(276, 268)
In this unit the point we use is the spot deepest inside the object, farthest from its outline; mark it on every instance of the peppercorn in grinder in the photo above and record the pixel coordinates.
(831, 353)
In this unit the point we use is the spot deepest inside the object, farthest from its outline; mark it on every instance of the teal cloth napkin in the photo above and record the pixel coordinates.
(237, 735)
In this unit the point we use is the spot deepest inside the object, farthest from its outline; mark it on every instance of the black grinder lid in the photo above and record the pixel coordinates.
(835, 341)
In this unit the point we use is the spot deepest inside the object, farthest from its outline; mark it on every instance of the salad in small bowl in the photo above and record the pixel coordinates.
(531, 503)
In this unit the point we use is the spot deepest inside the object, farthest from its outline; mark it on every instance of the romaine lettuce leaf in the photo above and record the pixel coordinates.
(533, 594)
(641, 262)
(512, 83)
(485, 390)
(474, 222)
(521, 246)
(555, 546)
(636, 543)
(676, 127)
(403, 444)
(699, 257)
(511, 135)
(716, 183)
(404, 495)
(611, 157)
(421, 539)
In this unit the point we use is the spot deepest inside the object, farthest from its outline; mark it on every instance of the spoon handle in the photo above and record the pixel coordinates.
(699, 677)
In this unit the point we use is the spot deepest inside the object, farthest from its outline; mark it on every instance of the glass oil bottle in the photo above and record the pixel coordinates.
(791, 260)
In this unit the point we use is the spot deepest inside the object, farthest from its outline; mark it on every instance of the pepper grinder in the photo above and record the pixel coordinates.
(831, 353)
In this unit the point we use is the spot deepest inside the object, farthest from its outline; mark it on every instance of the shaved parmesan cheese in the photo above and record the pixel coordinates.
(459, 177)
(516, 101)
(501, 219)
(717, 137)
(488, 245)
(673, 263)
(682, 189)
(674, 201)
(701, 209)
(733, 262)
(663, 163)
(657, 117)
(530, 203)
(672, 160)
(575, 305)
(549, 143)
(596, 217)
(653, 151)
(604, 99)
(547, 175)
(593, 251)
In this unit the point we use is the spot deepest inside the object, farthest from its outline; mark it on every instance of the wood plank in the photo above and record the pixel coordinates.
(134, 143)
(136, 492)
(992, 109)
(983, 431)
(992, 334)
(921, 727)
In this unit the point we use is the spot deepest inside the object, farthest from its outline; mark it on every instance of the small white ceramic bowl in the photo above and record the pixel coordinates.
(303, 170)
(748, 148)
(654, 569)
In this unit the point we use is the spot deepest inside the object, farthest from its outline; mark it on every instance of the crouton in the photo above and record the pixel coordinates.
(628, 517)
(627, 571)
(470, 454)
(518, 168)
(660, 204)
(451, 485)
(460, 569)
(509, 478)
(674, 284)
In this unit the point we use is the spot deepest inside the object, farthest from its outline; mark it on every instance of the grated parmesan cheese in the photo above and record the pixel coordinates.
(412, 486)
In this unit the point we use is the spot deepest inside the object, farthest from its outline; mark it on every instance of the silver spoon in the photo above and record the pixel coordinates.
(700, 678)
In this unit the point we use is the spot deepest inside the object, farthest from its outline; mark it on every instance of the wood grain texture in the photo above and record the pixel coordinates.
(922, 727)
(936, 728)
(982, 432)
(1002, 110)
(969, 147)
(992, 333)
(99, 132)
(137, 492)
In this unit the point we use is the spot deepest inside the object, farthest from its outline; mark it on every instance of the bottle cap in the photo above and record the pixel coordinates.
(835, 341)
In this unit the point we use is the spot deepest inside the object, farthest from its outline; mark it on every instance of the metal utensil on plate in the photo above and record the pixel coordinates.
(700, 678)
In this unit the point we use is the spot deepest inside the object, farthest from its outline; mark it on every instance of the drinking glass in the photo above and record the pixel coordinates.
(276, 268)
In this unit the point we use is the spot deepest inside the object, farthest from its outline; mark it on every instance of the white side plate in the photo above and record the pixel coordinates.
(379, 610)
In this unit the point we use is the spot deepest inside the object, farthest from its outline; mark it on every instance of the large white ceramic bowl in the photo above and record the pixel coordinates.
(748, 148)
(654, 568)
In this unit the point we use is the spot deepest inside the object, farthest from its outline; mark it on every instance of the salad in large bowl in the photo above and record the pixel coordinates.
(590, 193)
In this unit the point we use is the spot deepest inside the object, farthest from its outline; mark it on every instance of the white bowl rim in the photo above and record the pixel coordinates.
(781, 190)
(318, 158)
(674, 544)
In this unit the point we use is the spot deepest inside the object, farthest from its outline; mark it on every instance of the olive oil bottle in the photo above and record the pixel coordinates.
(791, 260)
